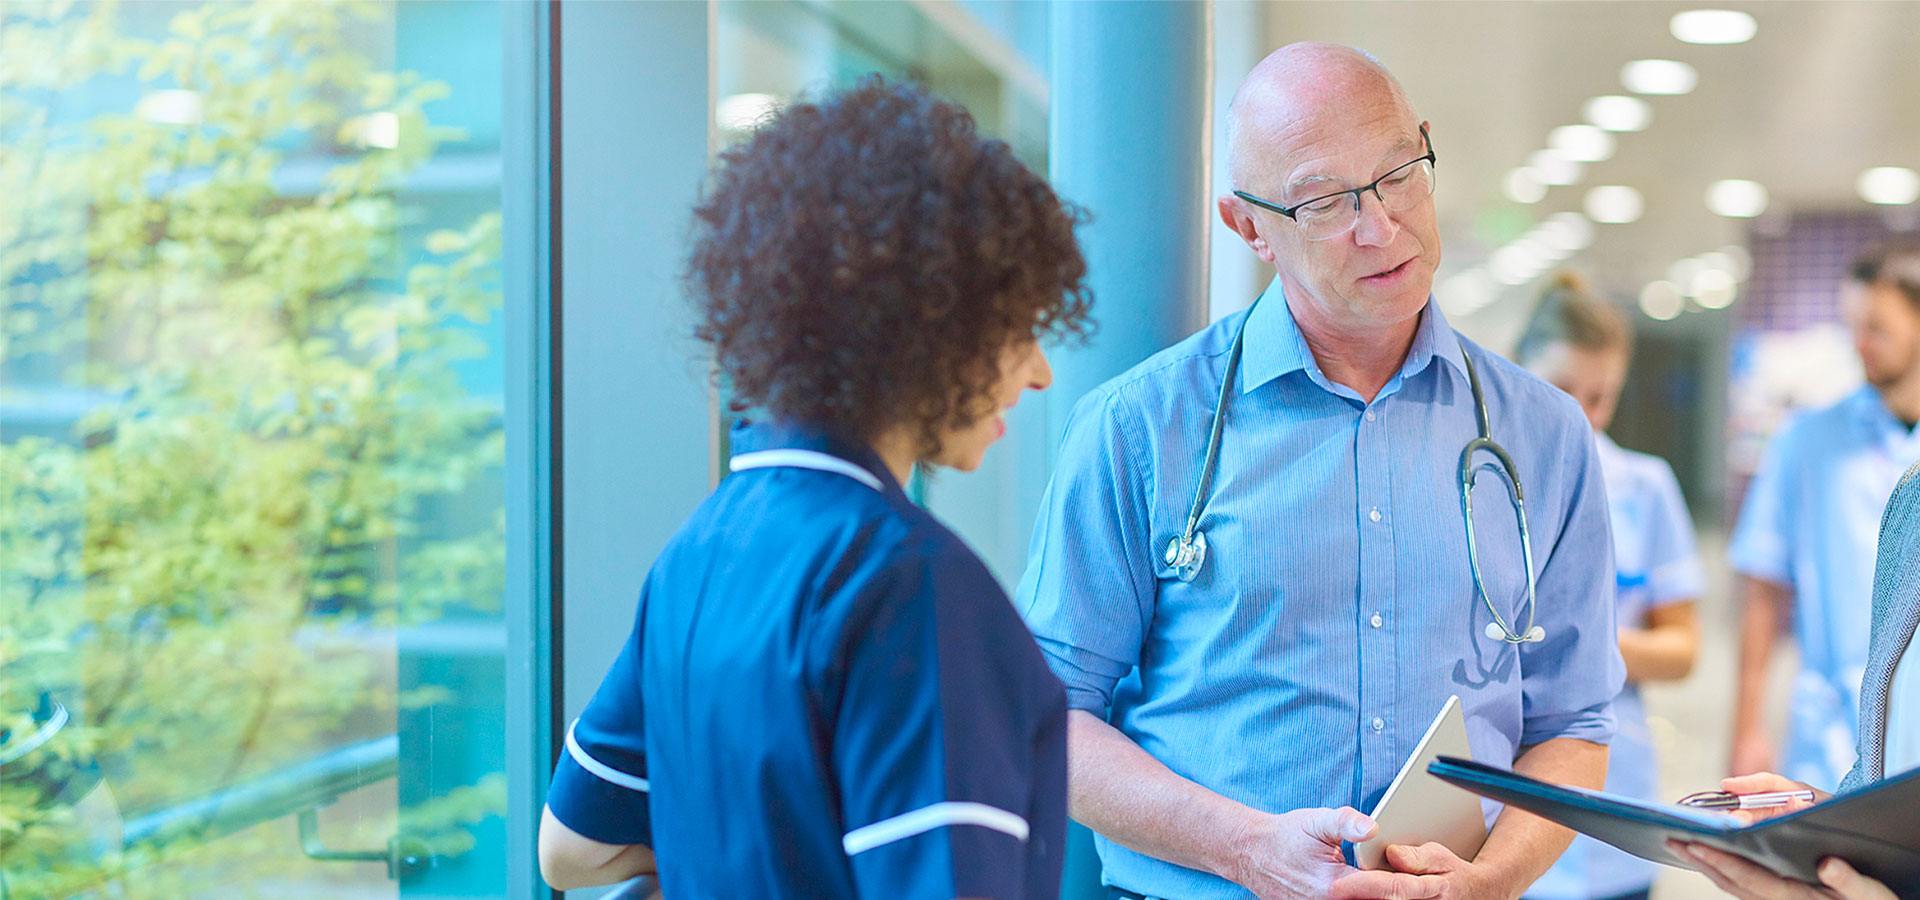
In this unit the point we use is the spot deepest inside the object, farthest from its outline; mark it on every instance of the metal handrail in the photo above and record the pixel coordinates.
(289, 791)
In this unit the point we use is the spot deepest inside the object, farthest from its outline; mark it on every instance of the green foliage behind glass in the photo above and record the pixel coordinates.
(259, 332)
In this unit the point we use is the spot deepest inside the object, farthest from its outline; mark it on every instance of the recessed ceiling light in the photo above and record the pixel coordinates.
(1581, 143)
(1658, 76)
(1523, 186)
(1619, 112)
(1713, 26)
(1737, 198)
(1683, 271)
(1567, 231)
(1661, 300)
(1889, 185)
(1614, 204)
(1713, 288)
(1552, 168)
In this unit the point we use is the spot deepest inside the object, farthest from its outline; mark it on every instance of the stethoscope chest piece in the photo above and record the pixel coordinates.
(1186, 555)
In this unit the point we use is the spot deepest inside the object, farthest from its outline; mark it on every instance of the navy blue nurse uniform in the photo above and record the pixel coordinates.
(825, 694)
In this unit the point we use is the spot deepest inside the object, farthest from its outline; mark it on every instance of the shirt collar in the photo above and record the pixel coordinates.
(1871, 410)
(776, 434)
(1275, 347)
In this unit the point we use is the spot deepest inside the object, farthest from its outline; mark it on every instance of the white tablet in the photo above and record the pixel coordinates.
(1418, 807)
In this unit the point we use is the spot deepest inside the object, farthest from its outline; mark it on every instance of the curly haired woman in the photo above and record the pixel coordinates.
(825, 693)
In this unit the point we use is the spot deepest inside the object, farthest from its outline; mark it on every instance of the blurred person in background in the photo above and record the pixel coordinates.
(825, 692)
(1889, 742)
(1805, 538)
(1582, 344)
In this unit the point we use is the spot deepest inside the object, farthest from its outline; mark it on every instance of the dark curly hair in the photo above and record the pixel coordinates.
(861, 261)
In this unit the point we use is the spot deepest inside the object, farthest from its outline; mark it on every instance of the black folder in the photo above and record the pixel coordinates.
(1876, 828)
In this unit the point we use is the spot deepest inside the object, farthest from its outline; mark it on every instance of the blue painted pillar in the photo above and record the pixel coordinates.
(1128, 139)
(1129, 123)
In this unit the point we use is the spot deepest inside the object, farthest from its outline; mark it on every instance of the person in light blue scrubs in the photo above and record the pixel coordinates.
(1246, 679)
(1806, 533)
(825, 693)
(1582, 344)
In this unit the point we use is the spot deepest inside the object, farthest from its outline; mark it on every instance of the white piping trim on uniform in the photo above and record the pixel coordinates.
(927, 818)
(606, 773)
(804, 459)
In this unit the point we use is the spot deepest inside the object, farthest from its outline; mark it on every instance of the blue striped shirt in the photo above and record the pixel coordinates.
(1335, 612)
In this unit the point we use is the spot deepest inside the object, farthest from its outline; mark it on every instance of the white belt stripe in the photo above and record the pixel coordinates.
(803, 459)
(605, 772)
(927, 818)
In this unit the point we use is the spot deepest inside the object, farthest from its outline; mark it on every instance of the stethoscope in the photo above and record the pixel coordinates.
(1187, 552)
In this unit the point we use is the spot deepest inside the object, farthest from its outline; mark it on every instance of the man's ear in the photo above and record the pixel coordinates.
(1239, 220)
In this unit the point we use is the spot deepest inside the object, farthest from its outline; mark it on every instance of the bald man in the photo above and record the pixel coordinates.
(1228, 718)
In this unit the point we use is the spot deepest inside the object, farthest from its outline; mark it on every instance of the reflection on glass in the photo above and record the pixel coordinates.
(251, 552)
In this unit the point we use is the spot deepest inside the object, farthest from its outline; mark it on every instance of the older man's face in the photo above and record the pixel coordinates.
(1380, 272)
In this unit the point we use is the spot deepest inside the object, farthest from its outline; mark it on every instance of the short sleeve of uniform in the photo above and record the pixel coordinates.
(600, 784)
(1762, 541)
(1569, 679)
(1088, 590)
(943, 791)
(1674, 572)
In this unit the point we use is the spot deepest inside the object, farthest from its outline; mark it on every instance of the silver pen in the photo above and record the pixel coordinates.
(1763, 800)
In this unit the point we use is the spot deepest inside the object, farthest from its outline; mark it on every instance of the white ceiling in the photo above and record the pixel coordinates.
(1823, 91)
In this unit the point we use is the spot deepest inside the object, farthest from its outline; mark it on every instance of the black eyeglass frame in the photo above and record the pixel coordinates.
(1291, 211)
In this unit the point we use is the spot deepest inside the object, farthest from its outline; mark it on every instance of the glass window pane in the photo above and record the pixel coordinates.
(251, 516)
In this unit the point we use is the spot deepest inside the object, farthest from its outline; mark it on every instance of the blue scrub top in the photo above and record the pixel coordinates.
(1811, 520)
(825, 694)
(1655, 565)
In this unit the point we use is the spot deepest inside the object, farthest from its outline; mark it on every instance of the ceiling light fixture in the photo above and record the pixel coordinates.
(1889, 185)
(1713, 26)
(1581, 143)
(1664, 77)
(1614, 204)
(1737, 198)
(1619, 112)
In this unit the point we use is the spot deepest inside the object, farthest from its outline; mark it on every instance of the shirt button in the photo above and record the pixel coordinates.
(1379, 724)
(1374, 514)
(1376, 621)
(1370, 415)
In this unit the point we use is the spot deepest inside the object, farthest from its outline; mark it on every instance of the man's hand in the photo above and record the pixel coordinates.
(1297, 854)
(1764, 783)
(1439, 873)
(1748, 881)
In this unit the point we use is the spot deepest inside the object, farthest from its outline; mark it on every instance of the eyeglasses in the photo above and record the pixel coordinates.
(1329, 216)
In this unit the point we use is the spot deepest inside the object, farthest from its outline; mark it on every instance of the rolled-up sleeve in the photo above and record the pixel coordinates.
(1088, 591)
(1568, 680)
(600, 787)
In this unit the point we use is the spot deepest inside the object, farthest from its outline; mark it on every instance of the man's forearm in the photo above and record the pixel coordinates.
(1522, 846)
(1119, 790)
(1759, 628)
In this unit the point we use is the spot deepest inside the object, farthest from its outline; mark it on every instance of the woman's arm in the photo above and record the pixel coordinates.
(1665, 649)
(571, 860)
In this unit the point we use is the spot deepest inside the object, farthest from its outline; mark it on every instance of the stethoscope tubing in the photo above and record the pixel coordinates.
(1186, 552)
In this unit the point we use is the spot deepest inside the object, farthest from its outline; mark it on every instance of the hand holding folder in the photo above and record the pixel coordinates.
(1876, 829)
